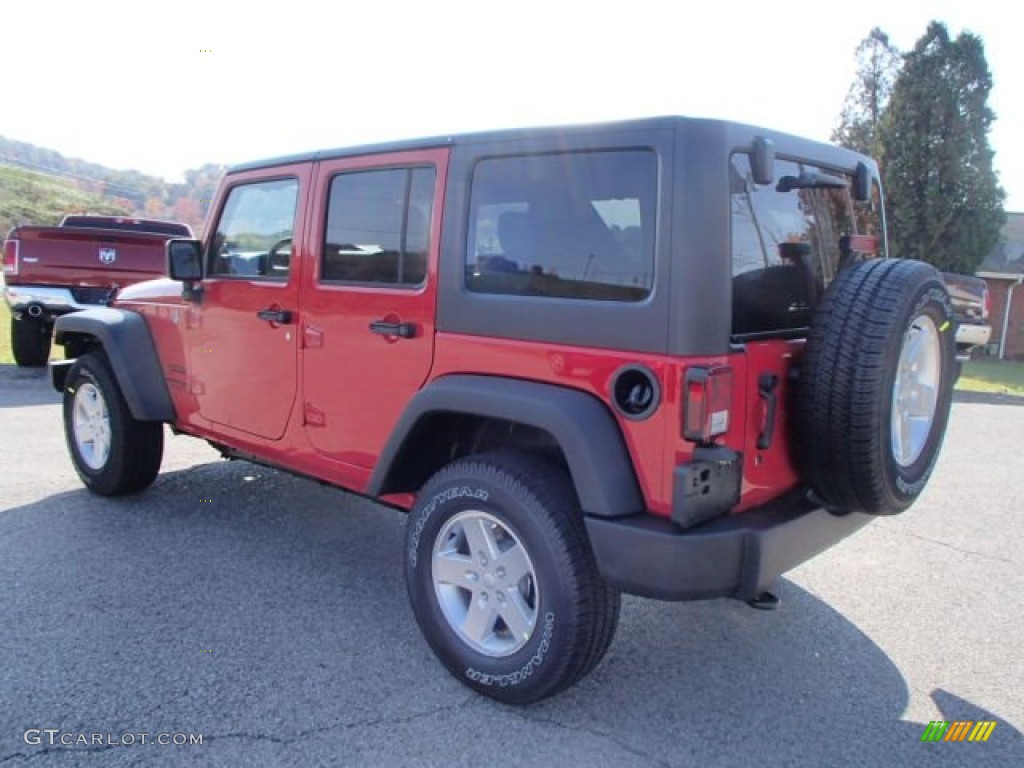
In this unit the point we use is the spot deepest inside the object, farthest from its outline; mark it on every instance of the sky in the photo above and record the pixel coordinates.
(166, 86)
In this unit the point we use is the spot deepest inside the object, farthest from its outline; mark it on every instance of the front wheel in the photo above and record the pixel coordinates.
(502, 580)
(30, 341)
(113, 453)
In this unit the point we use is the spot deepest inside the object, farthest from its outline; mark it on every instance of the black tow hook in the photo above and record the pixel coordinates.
(764, 601)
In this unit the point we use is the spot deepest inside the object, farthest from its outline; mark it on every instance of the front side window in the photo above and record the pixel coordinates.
(785, 245)
(574, 225)
(378, 227)
(254, 235)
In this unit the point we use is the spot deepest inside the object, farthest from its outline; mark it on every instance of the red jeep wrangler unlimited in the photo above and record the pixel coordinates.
(660, 357)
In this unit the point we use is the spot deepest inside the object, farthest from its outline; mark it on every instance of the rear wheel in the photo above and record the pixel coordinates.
(502, 580)
(30, 341)
(113, 452)
(876, 386)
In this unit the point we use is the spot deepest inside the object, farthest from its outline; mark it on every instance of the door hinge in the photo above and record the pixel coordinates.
(312, 337)
(313, 416)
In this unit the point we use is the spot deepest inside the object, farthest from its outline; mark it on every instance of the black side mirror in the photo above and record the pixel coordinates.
(862, 183)
(762, 161)
(185, 260)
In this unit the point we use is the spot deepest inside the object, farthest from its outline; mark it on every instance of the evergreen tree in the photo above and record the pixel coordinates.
(943, 199)
(878, 63)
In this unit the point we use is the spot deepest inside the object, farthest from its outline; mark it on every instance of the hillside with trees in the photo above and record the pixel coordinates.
(39, 186)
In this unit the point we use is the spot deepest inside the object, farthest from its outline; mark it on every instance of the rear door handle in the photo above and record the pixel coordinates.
(279, 316)
(401, 330)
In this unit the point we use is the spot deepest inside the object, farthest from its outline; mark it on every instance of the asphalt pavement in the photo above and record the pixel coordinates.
(267, 614)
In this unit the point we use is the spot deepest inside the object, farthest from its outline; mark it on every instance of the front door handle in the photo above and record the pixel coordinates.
(401, 330)
(279, 316)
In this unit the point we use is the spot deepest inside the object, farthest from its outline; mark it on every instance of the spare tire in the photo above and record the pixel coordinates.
(875, 386)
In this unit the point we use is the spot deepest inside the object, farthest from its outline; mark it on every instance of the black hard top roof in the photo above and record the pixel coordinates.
(510, 134)
(733, 130)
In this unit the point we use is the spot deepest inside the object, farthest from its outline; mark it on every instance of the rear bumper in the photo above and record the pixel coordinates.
(734, 556)
(973, 334)
(53, 301)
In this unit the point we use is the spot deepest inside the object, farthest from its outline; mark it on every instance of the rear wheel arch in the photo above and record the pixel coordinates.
(460, 415)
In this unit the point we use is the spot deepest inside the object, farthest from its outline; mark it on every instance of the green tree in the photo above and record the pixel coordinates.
(878, 64)
(944, 202)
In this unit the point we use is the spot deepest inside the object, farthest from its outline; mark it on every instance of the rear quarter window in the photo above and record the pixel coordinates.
(566, 225)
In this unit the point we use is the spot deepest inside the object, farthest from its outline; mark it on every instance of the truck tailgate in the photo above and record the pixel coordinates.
(88, 257)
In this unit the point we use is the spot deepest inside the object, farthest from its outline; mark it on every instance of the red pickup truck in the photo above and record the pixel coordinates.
(50, 271)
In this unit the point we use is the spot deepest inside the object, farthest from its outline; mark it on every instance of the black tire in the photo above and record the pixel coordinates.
(135, 447)
(576, 610)
(30, 341)
(848, 449)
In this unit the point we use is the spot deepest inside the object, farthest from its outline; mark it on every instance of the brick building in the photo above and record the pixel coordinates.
(1003, 270)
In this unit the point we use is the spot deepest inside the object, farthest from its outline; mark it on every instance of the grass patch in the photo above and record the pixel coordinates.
(1001, 376)
(6, 356)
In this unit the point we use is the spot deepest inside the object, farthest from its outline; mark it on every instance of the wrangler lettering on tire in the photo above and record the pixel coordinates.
(502, 580)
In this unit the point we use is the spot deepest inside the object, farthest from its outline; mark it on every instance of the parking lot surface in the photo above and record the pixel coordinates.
(268, 614)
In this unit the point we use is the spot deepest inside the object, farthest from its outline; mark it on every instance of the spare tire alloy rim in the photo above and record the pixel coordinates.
(915, 392)
(485, 583)
(91, 424)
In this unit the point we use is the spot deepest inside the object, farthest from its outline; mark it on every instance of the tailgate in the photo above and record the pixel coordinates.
(80, 256)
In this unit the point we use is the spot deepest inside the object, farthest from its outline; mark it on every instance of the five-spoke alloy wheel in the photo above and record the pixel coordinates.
(113, 452)
(502, 580)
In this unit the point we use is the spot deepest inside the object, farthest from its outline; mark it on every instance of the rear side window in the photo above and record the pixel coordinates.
(254, 234)
(571, 225)
(378, 227)
(785, 247)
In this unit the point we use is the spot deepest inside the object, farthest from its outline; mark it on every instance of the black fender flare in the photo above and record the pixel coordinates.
(583, 426)
(129, 347)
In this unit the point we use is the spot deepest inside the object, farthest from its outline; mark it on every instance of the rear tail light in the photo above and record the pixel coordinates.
(986, 303)
(707, 395)
(10, 257)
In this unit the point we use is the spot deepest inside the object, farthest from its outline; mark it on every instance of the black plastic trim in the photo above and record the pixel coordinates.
(652, 380)
(583, 426)
(735, 556)
(127, 343)
(708, 486)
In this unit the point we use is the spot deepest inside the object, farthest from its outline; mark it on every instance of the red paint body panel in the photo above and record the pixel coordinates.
(589, 370)
(351, 408)
(769, 472)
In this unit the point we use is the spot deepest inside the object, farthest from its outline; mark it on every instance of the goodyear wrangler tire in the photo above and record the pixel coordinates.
(113, 453)
(502, 580)
(876, 386)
